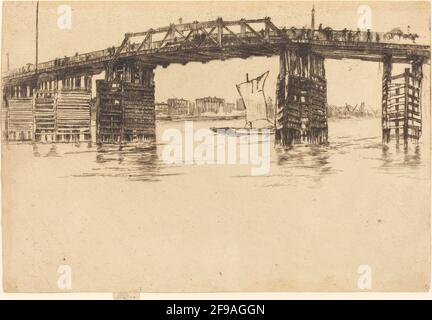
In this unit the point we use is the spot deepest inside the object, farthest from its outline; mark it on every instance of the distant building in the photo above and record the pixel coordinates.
(161, 108)
(240, 104)
(192, 108)
(229, 107)
(209, 104)
(3, 117)
(270, 108)
(178, 106)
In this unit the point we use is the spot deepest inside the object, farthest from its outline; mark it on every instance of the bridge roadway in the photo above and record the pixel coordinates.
(220, 40)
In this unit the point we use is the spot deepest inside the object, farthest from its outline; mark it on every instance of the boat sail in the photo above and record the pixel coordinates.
(255, 103)
(254, 100)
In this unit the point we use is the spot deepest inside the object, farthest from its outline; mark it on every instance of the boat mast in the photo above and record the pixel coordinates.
(37, 35)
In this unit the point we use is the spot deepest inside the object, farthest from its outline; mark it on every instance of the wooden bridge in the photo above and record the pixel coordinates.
(125, 108)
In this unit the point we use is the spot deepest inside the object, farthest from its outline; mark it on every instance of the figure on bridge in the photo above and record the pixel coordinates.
(328, 32)
(357, 35)
(377, 37)
(368, 36)
(350, 36)
(344, 34)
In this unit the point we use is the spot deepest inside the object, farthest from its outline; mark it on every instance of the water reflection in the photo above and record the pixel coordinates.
(52, 151)
(310, 161)
(134, 162)
(360, 150)
(137, 163)
(35, 150)
(402, 160)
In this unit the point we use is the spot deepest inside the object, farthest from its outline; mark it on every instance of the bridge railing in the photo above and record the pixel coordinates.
(77, 59)
(267, 35)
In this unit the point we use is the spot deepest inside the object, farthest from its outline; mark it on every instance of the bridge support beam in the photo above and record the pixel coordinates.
(125, 104)
(17, 111)
(62, 108)
(401, 103)
(48, 110)
(386, 85)
(301, 98)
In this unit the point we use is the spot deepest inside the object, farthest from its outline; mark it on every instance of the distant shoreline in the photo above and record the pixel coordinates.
(198, 118)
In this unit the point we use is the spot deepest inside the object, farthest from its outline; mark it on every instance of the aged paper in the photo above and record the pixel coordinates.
(215, 146)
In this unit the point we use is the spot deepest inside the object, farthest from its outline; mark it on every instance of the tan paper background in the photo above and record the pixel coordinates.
(186, 235)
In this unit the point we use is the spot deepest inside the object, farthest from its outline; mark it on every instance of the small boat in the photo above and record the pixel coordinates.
(237, 132)
(257, 119)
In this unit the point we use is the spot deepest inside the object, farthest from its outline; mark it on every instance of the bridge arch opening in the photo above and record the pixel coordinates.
(215, 79)
(379, 98)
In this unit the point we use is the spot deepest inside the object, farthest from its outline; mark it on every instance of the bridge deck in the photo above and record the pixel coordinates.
(217, 40)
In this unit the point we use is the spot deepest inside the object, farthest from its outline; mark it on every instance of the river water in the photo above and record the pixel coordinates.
(319, 213)
(354, 144)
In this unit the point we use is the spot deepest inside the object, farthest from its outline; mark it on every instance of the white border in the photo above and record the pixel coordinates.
(207, 296)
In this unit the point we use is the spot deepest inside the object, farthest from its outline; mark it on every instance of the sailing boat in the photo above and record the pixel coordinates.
(257, 118)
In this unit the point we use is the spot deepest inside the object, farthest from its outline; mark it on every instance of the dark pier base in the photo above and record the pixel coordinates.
(125, 112)
(317, 136)
(401, 104)
(56, 115)
(125, 109)
(301, 99)
(288, 137)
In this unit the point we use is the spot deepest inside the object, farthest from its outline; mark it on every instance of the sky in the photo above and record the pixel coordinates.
(98, 25)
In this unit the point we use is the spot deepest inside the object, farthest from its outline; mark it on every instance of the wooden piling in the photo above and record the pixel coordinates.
(301, 98)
